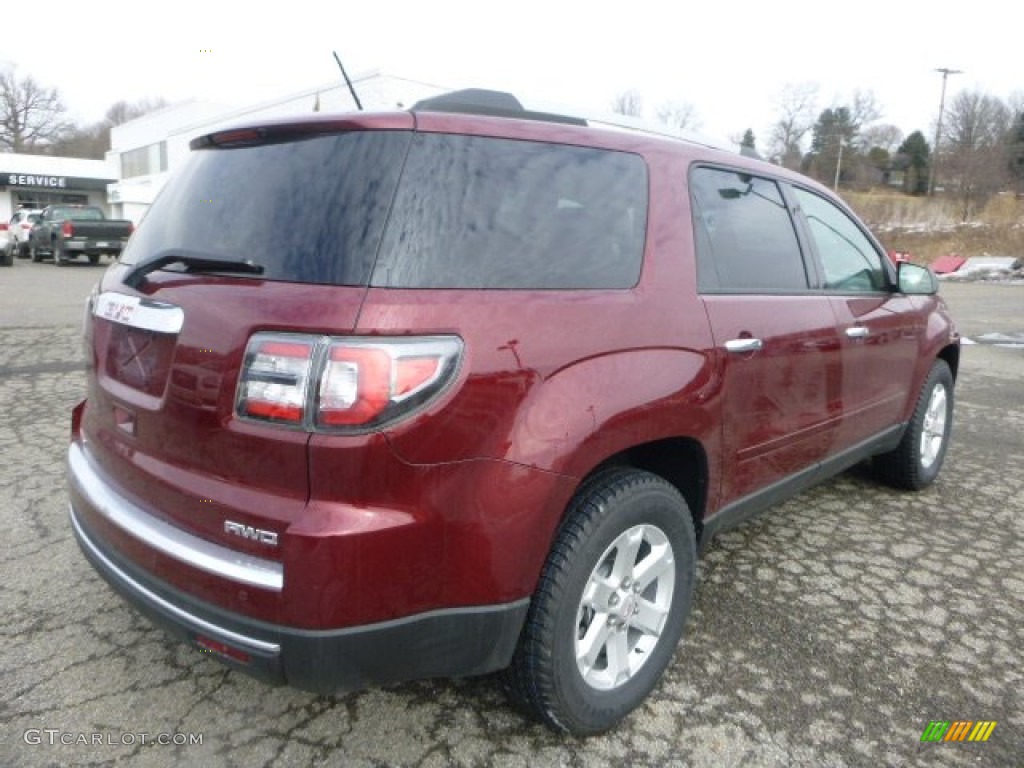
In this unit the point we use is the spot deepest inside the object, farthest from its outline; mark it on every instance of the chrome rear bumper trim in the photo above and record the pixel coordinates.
(173, 542)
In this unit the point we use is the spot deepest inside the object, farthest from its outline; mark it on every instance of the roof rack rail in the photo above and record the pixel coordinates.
(481, 101)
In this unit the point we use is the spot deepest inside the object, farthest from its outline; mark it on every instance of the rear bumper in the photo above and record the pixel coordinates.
(442, 643)
(93, 247)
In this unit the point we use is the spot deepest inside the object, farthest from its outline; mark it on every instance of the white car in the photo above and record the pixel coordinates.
(18, 229)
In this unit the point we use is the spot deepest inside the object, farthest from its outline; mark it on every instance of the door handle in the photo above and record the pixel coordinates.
(857, 332)
(744, 345)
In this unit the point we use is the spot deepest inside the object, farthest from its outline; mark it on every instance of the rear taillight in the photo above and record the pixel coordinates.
(67, 229)
(273, 385)
(332, 384)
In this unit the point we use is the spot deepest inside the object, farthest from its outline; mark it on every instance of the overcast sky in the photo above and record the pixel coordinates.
(728, 58)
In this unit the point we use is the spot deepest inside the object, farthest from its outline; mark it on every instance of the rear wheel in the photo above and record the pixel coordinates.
(610, 606)
(22, 250)
(916, 461)
(34, 252)
(7, 256)
(94, 258)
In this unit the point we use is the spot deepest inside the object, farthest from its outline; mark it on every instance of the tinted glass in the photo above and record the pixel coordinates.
(745, 238)
(310, 210)
(848, 258)
(76, 214)
(475, 212)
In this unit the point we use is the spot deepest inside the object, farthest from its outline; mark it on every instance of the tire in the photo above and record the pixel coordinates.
(34, 253)
(7, 256)
(94, 258)
(619, 523)
(916, 461)
(59, 259)
(22, 250)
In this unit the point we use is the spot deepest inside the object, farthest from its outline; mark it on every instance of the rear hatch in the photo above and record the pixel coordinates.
(302, 211)
(97, 229)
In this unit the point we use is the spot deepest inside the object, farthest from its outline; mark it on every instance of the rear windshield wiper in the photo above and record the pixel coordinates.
(194, 262)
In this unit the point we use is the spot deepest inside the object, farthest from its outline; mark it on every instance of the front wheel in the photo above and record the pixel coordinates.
(916, 461)
(610, 606)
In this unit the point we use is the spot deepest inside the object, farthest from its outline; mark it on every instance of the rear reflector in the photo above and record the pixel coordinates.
(215, 646)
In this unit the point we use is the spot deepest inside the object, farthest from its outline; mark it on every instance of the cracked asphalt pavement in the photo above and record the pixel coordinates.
(828, 632)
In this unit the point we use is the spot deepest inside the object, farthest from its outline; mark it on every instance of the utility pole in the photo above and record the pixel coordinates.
(839, 164)
(938, 127)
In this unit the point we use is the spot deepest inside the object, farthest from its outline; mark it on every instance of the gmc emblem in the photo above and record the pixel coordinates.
(248, 532)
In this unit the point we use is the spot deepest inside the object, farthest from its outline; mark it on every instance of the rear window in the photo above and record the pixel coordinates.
(309, 210)
(477, 212)
(469, 212)
(77, 214)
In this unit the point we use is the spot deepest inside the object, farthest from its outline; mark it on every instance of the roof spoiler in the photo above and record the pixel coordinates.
(479, 101)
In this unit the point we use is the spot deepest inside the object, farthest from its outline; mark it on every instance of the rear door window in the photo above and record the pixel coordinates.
(478, 212)
(745, 238)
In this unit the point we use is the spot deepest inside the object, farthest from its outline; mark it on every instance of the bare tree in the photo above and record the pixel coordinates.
(797, 109)
(864, 109)
(883, 136)
(628, 103)
(681, 115)
(123, 111)
(31, 116)
(93, 141)
(1016, 102)
(974, 131)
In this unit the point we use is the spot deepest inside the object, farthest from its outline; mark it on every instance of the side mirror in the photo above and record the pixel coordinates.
(916, 280)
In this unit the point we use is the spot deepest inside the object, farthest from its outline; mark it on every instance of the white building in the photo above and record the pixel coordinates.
(146, 150)
(35, 181)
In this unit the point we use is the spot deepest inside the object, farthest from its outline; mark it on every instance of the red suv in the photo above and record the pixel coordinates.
(480, 410)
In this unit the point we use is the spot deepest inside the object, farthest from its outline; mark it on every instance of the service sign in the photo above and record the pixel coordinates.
(33, 180)
(47, 181)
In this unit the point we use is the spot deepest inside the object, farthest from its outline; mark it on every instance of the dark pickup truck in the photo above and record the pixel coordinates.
(65, 231)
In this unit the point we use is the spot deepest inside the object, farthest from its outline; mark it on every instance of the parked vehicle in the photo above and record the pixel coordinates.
(7, 254)
(16, 242)
(482, 406)
(66, 231)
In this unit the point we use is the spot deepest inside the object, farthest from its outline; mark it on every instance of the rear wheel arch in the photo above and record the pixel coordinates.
(682, 461)
(951, 354)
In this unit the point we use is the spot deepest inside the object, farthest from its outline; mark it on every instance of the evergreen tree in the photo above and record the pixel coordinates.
(917, 152)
